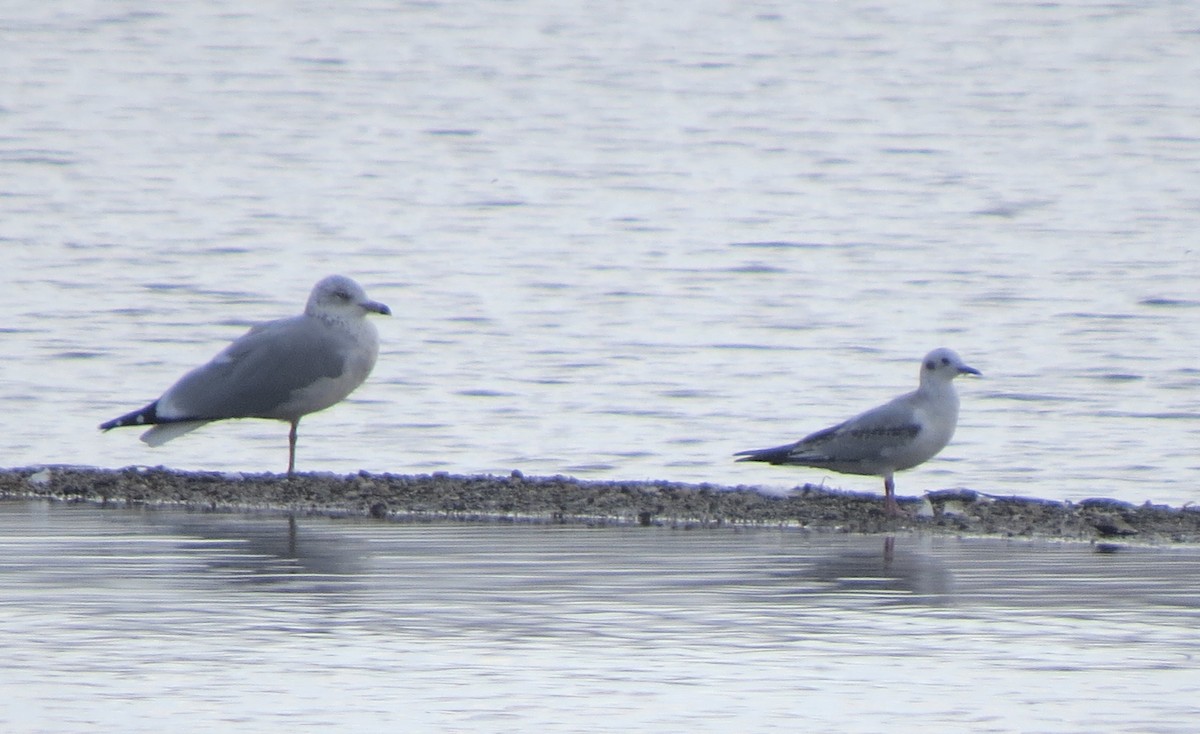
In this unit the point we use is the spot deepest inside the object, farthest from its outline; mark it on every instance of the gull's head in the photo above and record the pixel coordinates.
(339, 297)
(943, 365)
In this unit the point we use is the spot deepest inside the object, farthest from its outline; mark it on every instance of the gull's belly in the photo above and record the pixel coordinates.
(324, 393)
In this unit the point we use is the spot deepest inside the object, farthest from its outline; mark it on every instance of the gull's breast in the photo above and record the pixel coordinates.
(936, 431)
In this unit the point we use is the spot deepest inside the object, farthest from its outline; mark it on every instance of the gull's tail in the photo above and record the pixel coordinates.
(774, 455)
(163, 430)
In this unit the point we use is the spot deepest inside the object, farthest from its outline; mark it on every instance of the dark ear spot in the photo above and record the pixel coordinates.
(930, 365)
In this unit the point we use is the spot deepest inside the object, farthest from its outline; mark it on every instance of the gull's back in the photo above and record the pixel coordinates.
(894, 436)
(256, 375)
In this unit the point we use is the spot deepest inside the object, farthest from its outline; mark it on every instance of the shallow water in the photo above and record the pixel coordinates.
(119, 619)
(621, 244)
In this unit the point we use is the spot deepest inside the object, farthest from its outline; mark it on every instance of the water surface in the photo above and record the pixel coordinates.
(128, 619)
(619, 244)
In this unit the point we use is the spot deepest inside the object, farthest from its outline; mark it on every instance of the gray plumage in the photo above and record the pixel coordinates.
(897, 435)
(282, 370)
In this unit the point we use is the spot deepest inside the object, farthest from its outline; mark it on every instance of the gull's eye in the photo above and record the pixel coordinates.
(945, 360)
(341, 295)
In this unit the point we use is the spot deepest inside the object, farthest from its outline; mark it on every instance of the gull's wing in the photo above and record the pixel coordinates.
(853, 445)
(258, 373)
(869, 437)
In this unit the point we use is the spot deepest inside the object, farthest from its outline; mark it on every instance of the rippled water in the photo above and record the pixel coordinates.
(127, 620)
(618, 244)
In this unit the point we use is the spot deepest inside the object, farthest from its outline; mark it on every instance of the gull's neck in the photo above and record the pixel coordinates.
(334, 317)
(934, 386)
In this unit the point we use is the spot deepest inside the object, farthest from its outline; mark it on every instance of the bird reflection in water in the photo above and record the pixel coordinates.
(896, 575)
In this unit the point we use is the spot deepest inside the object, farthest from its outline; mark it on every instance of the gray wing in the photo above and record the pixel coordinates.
(864, 438)
(259, 371)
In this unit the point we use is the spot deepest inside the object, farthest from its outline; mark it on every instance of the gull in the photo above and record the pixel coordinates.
(897, 435)
(283, 369)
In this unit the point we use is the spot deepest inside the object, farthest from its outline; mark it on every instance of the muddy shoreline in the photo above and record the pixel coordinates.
(517, 498)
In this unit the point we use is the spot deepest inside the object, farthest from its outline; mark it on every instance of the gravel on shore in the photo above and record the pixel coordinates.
(517, 498)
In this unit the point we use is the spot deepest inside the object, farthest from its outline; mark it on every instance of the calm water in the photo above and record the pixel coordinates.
(619, 243)
(124, 620)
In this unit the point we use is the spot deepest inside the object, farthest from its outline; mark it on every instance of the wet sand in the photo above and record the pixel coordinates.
(558, 499)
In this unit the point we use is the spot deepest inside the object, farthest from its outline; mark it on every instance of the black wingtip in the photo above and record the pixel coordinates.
(146, 416)
(776, 455)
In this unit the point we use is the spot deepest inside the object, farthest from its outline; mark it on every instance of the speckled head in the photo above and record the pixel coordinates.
(339, 297)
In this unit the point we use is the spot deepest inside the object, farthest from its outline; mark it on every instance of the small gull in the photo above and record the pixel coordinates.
(897, 435)
(283, 369)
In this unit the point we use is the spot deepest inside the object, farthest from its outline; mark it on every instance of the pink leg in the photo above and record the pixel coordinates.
(292, 448)
(889, 496)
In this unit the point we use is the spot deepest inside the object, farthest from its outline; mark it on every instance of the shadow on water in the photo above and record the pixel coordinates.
(274, 552)
(264, 552)
(527, 579)
(904, 576)
(270, 552)
(109, 594)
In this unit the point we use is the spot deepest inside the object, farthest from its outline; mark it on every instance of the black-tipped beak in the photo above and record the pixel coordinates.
(965, 370)
(376, 307)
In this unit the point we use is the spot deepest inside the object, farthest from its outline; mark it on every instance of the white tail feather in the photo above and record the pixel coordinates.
(163, 432)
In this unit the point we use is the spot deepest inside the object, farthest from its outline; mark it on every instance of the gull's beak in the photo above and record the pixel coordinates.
(965, 370)
(376, 307)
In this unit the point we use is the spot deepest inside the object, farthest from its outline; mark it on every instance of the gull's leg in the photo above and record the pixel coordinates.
(292, 448)
(889, 496)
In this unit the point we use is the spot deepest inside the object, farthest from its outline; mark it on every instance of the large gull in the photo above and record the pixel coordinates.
(283, 369)
(897, 435)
